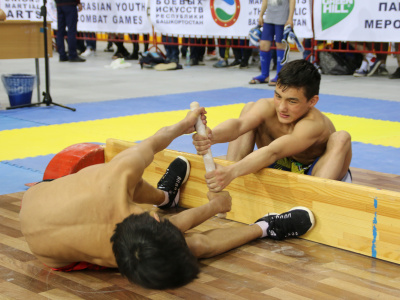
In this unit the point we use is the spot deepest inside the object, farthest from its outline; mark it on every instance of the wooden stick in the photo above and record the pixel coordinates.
(207, 158)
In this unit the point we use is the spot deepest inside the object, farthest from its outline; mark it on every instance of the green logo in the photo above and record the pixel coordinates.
(334, 11)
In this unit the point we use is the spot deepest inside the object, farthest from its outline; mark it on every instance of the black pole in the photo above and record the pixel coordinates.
(46, 94)
(43, 12)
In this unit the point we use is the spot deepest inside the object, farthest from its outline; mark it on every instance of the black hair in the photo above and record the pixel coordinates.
(300, 74)
(153, 254)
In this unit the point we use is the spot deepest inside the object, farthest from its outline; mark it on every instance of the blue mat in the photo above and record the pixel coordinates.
(15, 173)
(49, 115)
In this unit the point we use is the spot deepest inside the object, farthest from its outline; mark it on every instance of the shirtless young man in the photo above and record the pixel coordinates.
(91, 219)
(290, 133)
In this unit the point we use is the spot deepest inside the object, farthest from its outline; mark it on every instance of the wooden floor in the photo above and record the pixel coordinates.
(263, 269)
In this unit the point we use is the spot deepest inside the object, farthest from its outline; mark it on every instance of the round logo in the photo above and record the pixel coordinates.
(225, 12)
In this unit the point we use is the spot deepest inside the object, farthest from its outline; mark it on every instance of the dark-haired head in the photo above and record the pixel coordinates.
(153, 254)
(300, 74)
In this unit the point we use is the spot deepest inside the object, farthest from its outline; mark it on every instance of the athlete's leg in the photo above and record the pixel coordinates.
(217, 241)
(166, 195)
(295, 222)
(146, 193)
(335, 162)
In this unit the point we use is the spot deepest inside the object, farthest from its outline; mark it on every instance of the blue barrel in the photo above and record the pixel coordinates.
(19, 88)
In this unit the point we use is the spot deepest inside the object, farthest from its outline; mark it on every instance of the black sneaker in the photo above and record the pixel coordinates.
(396, 74)
(194, 62)
(77, 59)
(293, 223)
(374, 67)
(176, 174)
(234, 64)
(244, 64)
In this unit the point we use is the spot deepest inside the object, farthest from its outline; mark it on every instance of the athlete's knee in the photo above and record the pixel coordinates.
(340, 140)
(265, 45)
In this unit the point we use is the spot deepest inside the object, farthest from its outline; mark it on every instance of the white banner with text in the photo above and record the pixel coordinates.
(230, 18)
(357, 20)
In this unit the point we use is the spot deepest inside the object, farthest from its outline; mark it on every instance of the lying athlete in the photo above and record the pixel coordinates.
(289, 132)
(92, 219)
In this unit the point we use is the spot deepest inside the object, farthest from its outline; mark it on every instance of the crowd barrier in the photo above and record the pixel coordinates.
(312, 46)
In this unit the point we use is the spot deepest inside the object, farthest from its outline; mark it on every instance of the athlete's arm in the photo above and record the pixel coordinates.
(264, 6)
(305, 134)
(190, 218)
(161, 139)
(292, 5)
(231, 129)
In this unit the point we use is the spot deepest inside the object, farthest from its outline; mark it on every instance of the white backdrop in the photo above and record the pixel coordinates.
(357, 20)
(231, 18)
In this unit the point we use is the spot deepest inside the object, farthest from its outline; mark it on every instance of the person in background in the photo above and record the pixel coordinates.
(67, 16)
(278, 15)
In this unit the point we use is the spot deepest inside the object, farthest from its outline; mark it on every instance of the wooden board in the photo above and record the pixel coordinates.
(23, 39)
(262, 269)
(353, 217)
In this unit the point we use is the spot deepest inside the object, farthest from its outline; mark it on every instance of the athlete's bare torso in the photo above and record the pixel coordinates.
(72, 218)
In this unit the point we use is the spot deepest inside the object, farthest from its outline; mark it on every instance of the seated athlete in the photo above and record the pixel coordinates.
(91, 219)
(289, 132)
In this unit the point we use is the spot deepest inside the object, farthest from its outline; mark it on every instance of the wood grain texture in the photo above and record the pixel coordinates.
(262, 269)
(24, 39)
(352, 217)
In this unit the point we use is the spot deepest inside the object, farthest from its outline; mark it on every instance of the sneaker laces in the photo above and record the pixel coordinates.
(281, 227)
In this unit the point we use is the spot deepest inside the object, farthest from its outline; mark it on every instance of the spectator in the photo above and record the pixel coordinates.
(90, 44)
(197, 52)
(396, 74)
(119, 42)
(211, 53)
(109, 47)
(382, 71)
(67, 16)
(370, 63)
(171, 46)
(223, 51)
(135, 42)
(241, 54)
(278, 14)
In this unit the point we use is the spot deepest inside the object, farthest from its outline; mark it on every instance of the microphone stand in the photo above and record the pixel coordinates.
(46, 94)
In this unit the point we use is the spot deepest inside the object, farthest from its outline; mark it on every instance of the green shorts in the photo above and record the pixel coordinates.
(291, 165)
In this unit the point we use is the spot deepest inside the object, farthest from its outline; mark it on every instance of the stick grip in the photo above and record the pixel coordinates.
(201, 129)
(207, 158)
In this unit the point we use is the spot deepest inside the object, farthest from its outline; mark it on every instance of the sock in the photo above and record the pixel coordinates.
(166, 199)
(265, 59)
(264, 226)
(371, 58)
(364, 66)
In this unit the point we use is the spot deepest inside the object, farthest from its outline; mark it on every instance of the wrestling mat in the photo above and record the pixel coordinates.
(30, 137)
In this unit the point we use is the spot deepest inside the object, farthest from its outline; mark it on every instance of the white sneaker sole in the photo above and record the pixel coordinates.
(187, 169)
(309, 213)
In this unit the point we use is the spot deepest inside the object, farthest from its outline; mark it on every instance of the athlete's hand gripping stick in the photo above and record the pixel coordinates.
(207, 158)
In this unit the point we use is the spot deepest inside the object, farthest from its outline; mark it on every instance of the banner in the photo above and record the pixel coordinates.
(116, 16)
(302, 19)
(230, 18)
(119, 16)
(22, 9)
(357, 20)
